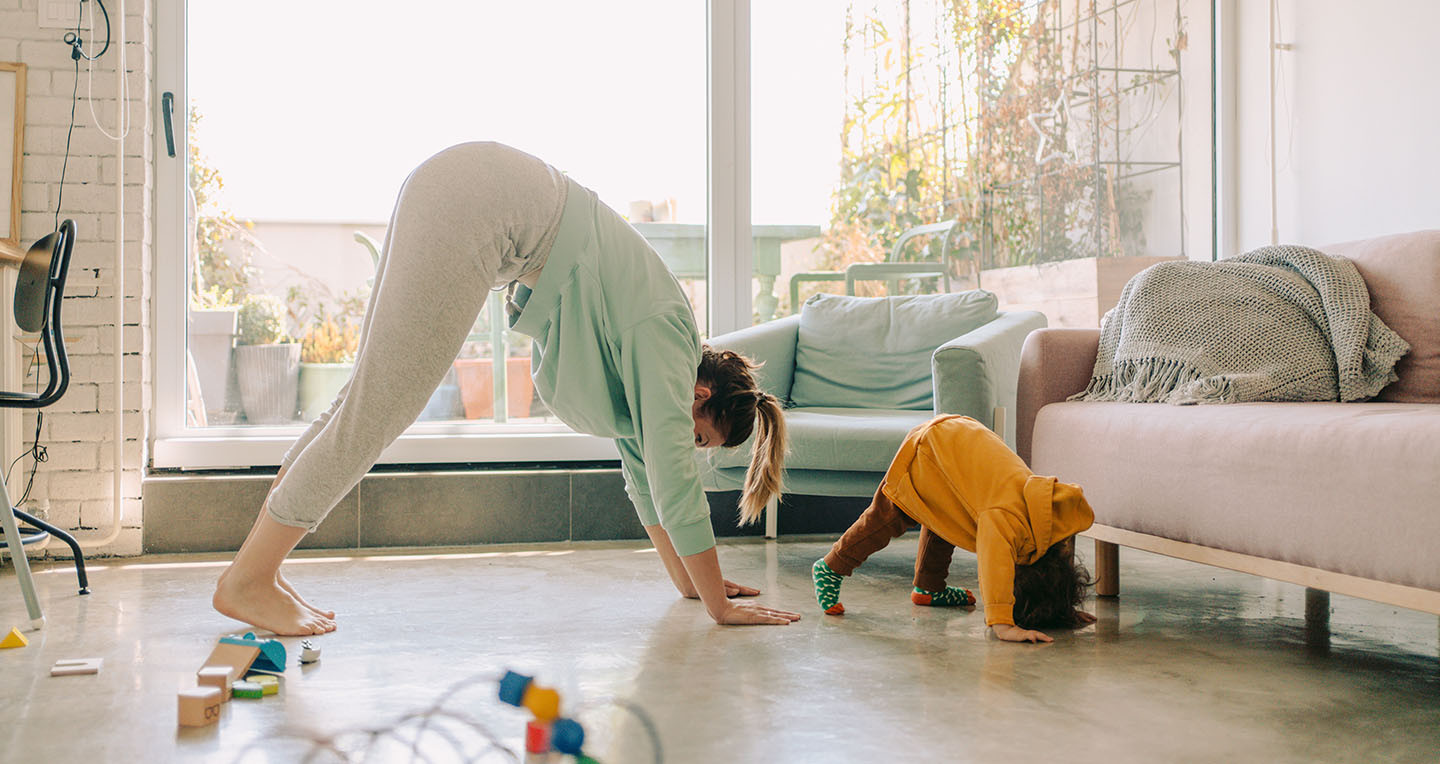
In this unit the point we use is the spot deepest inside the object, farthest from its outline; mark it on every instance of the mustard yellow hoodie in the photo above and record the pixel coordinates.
(957, 478)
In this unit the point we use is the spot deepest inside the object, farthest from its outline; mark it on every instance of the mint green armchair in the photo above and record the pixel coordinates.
(857, 374)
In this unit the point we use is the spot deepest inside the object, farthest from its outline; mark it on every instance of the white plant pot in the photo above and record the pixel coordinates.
(269, 377)
(319, 384)
(212, 338)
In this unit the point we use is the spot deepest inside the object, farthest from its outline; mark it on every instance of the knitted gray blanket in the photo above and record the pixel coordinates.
(1281, 323)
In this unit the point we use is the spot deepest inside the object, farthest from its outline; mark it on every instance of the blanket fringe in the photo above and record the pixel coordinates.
(1157, 380)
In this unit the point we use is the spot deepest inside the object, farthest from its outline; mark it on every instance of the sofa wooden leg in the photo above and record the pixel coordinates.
(772, 521)
(1317, 608)
(1107, 569)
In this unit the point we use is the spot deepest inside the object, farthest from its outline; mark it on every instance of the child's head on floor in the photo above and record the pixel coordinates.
(1050, 590)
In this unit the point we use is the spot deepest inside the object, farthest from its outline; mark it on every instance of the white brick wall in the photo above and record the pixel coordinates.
(73, 488)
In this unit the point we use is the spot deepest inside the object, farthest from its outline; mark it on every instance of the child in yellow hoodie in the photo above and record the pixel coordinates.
(964, 487)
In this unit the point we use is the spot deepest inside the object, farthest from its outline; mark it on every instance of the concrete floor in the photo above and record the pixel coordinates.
(1191, 663)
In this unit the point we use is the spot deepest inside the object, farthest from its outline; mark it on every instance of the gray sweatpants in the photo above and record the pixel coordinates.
(472, 218)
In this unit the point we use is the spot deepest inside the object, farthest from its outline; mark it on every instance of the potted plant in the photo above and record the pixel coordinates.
(327, 357)
(268, 367)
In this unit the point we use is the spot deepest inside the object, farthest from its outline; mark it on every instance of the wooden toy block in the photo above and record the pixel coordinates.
(14, 639)
(76, 666)
(309, 653)
(217, 677)
(237, 657)
(199, 706)
(247, 690)
(270, 685)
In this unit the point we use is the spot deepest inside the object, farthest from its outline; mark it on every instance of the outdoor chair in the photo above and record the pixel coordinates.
(895, 267)
(39, 291)
(856, 374)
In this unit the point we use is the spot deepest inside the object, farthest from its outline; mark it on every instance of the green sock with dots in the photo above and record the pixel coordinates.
(953, 596)
(827, 588)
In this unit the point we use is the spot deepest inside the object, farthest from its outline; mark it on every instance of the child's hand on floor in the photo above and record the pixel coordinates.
(1012, 633)
(1083, 618)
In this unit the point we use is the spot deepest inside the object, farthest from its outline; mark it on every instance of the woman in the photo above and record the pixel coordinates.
(618, 356)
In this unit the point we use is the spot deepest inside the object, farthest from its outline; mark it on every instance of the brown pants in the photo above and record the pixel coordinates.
(881, 522)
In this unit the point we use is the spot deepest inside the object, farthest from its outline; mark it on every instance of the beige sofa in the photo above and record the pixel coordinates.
(1338, 497)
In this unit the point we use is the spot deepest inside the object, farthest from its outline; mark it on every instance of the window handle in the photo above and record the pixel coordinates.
(167, 107)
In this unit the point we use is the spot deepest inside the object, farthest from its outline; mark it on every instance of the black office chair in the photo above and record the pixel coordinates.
(39, 292)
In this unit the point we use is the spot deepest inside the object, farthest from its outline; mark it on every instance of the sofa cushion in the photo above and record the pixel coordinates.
(1346, 487)
(837, 439)
(868, 352)
(1402, 273)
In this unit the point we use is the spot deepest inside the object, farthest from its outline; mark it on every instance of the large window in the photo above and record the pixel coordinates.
(296, 125)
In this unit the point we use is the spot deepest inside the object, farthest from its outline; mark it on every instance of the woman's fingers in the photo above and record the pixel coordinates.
(733, 589)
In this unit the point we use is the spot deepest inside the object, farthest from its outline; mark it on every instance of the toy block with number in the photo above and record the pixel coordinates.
(199, 706)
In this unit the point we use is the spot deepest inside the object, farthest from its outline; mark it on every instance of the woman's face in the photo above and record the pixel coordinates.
(707, 435)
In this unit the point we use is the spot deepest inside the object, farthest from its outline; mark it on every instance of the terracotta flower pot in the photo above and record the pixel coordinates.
(477, 387)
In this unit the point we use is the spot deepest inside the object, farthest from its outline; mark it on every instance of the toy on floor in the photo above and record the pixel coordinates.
(199, 706)
(217, 677)
(309, 653)
(548, 731)
(228, 671)
(76, 666)
(451, 724)
(14, 639)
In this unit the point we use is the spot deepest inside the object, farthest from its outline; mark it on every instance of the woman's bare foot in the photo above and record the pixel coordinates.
(285, 584)
(266, 606)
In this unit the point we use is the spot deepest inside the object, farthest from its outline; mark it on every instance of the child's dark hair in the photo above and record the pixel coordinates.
(1048, 591)
(735, 403)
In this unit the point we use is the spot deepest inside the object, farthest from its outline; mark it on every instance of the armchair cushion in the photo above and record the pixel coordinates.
(834, 439)
(874, 353)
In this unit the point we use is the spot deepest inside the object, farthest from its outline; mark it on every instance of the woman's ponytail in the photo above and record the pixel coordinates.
(736, 404)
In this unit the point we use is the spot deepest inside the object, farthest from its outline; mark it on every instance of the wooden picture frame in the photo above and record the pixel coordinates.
(12, 150)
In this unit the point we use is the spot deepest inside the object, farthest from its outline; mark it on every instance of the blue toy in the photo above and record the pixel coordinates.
(272, 652)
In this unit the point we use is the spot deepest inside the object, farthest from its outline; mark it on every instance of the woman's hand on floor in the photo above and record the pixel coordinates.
(1083, 618)
(1012, 633)
(753, 613)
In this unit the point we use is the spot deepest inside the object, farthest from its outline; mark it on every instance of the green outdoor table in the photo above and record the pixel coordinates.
(682, 247)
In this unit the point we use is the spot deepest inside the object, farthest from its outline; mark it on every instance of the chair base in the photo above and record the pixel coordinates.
(46, 529)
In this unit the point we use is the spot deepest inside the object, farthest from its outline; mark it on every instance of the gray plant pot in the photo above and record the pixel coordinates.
(269, 379)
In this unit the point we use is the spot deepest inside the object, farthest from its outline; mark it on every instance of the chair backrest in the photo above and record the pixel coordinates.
(39, 289)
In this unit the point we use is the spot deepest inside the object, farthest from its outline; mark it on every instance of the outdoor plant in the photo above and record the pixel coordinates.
(260, 320)
(947, 126)
(329, 341)
(219, 274)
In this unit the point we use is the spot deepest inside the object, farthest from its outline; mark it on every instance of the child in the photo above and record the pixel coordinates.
(964, 487)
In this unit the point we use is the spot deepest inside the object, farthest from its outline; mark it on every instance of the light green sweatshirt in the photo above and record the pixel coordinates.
(616, 351)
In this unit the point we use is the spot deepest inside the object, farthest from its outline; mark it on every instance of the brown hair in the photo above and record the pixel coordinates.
(736, 402)
(1048, 591)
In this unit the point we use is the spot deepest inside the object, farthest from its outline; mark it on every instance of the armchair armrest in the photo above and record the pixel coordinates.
(772, 343)
(977, 371)
(797, 278)
(1054, 365)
